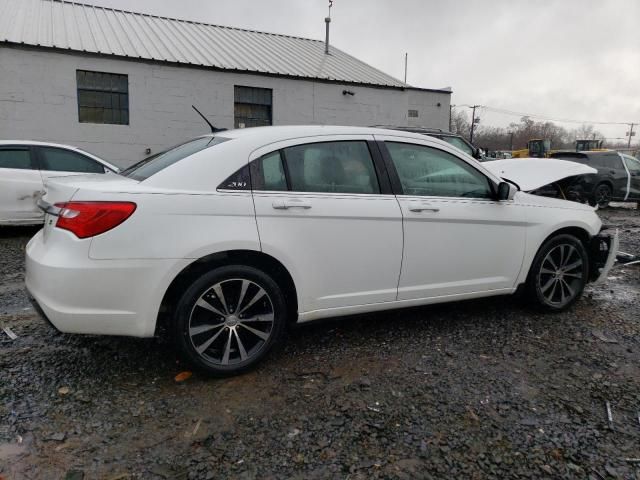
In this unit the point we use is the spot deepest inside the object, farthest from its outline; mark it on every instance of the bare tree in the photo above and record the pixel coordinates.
(586, 132)
(460, 123)
(495, 138)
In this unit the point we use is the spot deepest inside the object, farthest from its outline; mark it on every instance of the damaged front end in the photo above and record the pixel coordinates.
(603, 249)
(570, 188)
(548, 177)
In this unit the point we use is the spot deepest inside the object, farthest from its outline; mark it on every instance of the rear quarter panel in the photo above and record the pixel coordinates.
(177, 225)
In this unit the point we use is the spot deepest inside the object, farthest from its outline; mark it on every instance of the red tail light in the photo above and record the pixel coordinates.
(87, 219)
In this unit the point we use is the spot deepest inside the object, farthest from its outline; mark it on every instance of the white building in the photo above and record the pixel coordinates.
(121, 84)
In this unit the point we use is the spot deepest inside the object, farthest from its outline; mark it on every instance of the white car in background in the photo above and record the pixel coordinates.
(26, 165)
(227, 238)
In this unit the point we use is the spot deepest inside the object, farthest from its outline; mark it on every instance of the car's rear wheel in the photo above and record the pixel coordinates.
(229, 319)
(601, 196)
(558, 274)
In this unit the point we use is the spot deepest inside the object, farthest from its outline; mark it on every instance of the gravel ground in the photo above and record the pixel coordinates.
(480, 389)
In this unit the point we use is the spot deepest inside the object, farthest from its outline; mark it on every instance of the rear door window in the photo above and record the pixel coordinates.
(16, 157)
(330, 167)
(61, 160)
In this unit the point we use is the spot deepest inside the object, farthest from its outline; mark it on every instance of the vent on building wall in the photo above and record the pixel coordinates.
(413, 113)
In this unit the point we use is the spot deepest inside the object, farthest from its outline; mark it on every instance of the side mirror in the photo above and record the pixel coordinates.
(506, 191)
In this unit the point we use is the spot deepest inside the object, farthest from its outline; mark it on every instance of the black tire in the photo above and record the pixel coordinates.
(196, 321)
(601, 196)
(557, 291)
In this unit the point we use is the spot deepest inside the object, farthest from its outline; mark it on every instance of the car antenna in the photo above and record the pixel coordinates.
(213, 129)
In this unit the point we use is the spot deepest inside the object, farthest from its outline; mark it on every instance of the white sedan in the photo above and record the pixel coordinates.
(228, 238)
(26, 165)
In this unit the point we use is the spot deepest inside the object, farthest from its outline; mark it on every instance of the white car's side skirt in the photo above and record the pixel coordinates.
(375, 307)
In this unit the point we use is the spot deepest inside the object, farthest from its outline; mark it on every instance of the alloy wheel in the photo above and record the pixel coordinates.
(561, 275)
(231, 322)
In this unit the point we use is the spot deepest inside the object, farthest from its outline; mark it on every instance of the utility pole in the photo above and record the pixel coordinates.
(406, 57)
(630, 134)
(473, 121)
(511, 141)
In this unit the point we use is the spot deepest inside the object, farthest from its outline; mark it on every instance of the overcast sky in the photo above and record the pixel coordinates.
(570, 59)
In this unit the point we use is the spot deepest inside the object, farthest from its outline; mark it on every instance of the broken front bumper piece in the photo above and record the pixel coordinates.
(604, 248)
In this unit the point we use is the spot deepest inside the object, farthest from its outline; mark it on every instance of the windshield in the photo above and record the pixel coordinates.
(459, 143)
(153, 164)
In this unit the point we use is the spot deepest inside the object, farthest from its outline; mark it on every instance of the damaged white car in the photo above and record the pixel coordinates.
(228, 238)
(24, 167)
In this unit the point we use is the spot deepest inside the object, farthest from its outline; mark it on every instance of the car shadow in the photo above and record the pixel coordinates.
(29, 231)
(112, 359)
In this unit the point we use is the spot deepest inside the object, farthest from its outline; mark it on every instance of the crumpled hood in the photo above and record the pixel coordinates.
(533, 173)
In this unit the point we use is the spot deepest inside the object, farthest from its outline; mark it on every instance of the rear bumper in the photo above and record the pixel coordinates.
(106, 297)
(603, 251)
(38, 309)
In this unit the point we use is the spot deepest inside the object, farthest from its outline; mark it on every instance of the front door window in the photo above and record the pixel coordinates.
(427, 171)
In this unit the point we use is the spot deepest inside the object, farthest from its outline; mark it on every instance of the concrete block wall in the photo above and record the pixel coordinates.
(38, 101)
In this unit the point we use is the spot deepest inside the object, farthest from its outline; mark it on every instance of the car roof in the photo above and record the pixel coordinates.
(271, 134)
(420, 130)
(57, 145)
(40, 144)
(254, 142)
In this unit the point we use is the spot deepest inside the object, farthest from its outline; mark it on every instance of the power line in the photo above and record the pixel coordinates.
(545, 117)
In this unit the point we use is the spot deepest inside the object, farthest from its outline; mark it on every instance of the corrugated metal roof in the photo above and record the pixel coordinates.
(88, 28)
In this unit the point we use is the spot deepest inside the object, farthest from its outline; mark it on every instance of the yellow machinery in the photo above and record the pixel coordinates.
(541, 148)
(536, 148)
(589, 145)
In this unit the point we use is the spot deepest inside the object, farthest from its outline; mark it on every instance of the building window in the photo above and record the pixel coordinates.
(413, 113)
(252, 107)
(103, 97)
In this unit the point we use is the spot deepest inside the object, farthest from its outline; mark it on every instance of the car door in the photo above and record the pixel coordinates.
(458, 239)
(57, 161)
(615, 172)
(325, 208)
(633, 165)
(20, 185)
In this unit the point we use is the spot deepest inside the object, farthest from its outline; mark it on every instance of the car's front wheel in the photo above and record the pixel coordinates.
(229, 319)
(558, 273)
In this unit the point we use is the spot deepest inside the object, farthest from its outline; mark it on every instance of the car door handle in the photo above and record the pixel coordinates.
(287, 204)
(422, 207)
